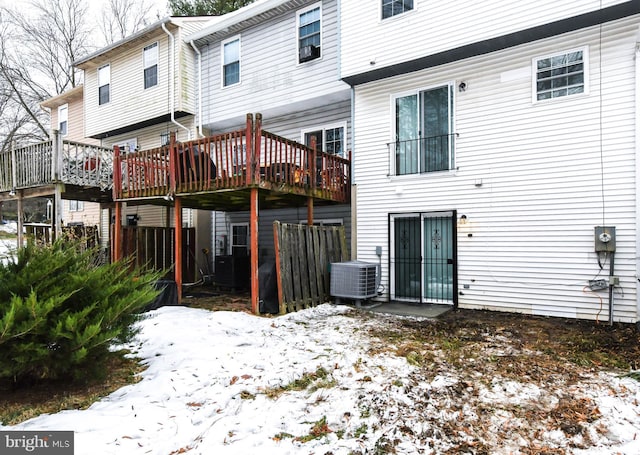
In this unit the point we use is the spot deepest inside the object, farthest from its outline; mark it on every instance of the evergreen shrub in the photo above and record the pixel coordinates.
(60, 311)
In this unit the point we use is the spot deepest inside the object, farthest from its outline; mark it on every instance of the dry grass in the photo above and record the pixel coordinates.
(20, 404)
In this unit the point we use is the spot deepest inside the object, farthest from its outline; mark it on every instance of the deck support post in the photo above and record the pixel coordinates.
(309, 211)
(116, 247)
(57, 212)
(20, 220)
(253, 234)
(177, 213)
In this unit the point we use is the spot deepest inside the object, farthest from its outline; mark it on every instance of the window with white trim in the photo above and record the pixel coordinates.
(240, 239)
(104, 83)
(424, 138)
(129, 145)
(329, 138)
(231, 62)
(63, 119)
(337, 222)
(309, 33)
(150, 62)
(76, 206)
(559, 75)
(392, 8)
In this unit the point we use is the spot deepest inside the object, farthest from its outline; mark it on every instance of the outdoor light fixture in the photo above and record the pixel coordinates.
(462, 87)
(12, 192)
(168, 197)
(463, 219)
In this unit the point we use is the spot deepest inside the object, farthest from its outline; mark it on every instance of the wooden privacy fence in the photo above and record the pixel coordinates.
(303, 257)
(152, 247)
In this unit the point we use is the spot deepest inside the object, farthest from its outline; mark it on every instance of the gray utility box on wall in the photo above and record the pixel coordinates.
(356, 280)
(605, 239)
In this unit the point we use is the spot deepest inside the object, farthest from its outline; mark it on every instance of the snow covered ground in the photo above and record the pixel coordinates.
(224, 383)
(7, 245)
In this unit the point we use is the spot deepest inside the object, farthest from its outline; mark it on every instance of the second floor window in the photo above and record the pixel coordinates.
(104, 82)
(150, 61)
(309, 34)
(392, 8)
(231, 62)
(63, 119)
(560, 75)
(424, 131)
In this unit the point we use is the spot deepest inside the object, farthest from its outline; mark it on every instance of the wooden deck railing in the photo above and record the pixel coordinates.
(56, 161)
(239, 159)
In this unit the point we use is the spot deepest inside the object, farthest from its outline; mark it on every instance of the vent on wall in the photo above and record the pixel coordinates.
(356, 280)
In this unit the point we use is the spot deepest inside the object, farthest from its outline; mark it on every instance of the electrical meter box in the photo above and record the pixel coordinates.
(605, 239)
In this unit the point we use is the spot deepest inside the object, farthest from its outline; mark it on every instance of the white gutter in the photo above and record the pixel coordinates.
(221, 23)
(172, 69)
(637, 164)
(199, 88)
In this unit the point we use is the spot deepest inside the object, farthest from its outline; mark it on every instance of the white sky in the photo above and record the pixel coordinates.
(204, 393)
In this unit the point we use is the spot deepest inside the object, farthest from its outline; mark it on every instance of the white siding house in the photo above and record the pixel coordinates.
(137, 92)
(278, 58)
(491, 146)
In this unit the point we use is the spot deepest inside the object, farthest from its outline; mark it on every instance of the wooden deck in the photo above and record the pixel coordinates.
(218, 172)
(85, 170)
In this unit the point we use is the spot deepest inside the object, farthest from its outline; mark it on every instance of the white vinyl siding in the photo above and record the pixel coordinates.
(441, 26)
(529, 177)
(129, 102)
(273, 83)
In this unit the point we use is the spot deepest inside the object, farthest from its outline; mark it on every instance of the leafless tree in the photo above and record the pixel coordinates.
(39, 41)
(121, 18)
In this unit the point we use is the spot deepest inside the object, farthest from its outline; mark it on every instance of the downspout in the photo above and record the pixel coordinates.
(199, 88)
(172, 69)
(637, 136)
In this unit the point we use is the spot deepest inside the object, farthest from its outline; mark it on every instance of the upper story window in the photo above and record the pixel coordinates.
(424, 131)
(231, 62)
(560, 75)
(392, 8)
(329, 139)
(63, 119)
(104, 82)
(309, 27)
(150, 62)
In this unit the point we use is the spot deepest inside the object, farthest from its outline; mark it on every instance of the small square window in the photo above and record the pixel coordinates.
(560, 75)
(392, 8)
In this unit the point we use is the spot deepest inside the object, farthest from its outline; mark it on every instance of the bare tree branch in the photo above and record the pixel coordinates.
(121, 18)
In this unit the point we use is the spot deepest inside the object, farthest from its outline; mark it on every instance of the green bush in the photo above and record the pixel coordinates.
(60, 312)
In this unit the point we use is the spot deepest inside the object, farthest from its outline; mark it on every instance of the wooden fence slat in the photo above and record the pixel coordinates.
(303, 255)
